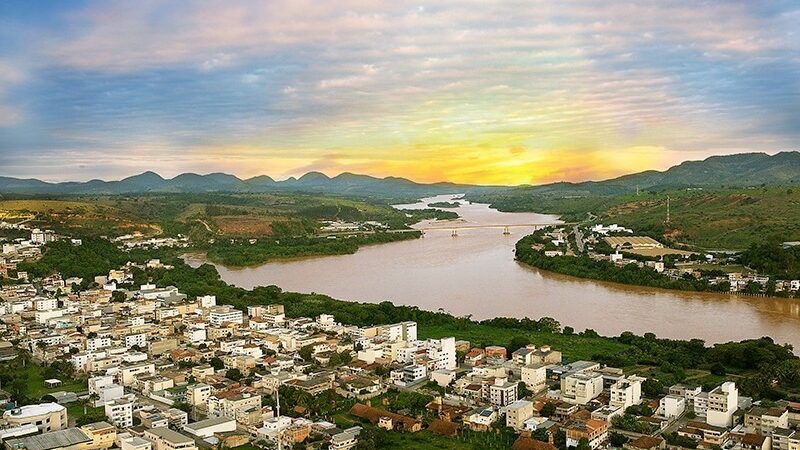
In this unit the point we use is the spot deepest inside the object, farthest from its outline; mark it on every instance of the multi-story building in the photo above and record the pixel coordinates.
(98, 343)
(45, 416)
(534, 376)
(198, 394)
(517, 413)
(581, 388)
(671, 406)
(413, 373)
(345, 440)
(128, 374)
(764, 421)
(221, 314)
(120, 412)
(503, 392)
(530, 354)
(138, 339)
(595, 431)
(723, 401)
(403, 331)
(626, 392)
(227, 404)
(442, 353)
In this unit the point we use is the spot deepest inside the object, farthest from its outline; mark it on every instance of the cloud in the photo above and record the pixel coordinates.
(472, 88)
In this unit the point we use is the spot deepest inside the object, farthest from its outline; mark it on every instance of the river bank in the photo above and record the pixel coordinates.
(476, 274)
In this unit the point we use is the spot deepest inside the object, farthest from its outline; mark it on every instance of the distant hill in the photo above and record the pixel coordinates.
(734, 170)
(746, 169)
(313, 182)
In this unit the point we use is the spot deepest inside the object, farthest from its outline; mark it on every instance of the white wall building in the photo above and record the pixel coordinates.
(723, 401)
(580, 388)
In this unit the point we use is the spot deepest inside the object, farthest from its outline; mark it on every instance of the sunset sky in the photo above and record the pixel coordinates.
(468, 91)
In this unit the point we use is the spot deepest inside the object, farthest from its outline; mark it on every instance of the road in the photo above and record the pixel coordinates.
(578, 238)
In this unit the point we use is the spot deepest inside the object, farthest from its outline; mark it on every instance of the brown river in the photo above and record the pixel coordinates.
(475, 273)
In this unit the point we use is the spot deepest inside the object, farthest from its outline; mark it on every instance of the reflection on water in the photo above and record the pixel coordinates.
(475, 273)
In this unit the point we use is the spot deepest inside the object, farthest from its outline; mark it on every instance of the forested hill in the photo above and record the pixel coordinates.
(746, 169)
(313, 182)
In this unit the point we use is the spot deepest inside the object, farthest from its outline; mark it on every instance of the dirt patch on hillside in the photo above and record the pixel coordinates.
(244, 226)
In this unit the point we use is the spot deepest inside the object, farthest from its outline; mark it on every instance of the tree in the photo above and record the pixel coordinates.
(548, 410)
(522, 390)
(234, 374)
(583, 444)
(216, 363)
(652, 387)
(306, 352)
(717, 369)
(617, 439)
(568, 331)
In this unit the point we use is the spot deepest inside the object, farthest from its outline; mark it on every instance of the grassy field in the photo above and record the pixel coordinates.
(34, 380)
(573, 347)
(708, 219)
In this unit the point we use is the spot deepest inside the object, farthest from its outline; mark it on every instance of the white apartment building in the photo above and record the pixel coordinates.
(723, 401)
(345, 440)
(42, 317)
(45, 304)
(120, 412)
(581, 388)
(97, 343)
(503, 392)
(414, 373)
(403, 331)
(671, 406)
(626, 392)
(441, 352)
(207, 301)
(221, 314)
(195, 333)
(404, 353)
(137, 339)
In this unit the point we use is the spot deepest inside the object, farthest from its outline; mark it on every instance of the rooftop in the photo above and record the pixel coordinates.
(34, 410)
(52, 440)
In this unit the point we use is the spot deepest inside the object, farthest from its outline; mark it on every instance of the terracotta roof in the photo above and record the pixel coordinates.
(753, 440)
(374, 414)
(443, 428)
(646, 442)
(526, 443)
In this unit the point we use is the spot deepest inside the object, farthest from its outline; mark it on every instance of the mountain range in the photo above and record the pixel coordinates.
(732, 170)
(312, 182)
(743, 169)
